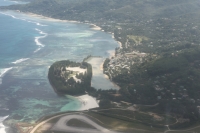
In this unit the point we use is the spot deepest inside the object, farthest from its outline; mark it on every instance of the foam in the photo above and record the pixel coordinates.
(37, 50)
(12, 1)
(15, 1)
(9, 15)
(37, 38)
(2, 127)
(88, 102)
(3, 71)
(39, 24)
(20, 60)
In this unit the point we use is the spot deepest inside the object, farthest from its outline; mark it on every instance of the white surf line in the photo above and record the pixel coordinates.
(2, 73)
(37, 23)
(37, 50)
(20, 60)
(12, 1)
(9, 15)
(2, 127)
(37, 40)
(40, 24)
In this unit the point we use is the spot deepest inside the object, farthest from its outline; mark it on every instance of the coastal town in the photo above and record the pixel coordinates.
(154, 71)
(122, 62)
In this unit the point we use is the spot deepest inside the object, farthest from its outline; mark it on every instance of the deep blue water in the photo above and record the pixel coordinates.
(28, 46)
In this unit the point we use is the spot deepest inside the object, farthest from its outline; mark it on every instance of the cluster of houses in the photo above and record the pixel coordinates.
(123, 62)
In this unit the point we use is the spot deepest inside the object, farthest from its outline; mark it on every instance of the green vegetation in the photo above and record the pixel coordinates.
(137, 39)
(159, 59)
(63, 80)
(168, 25)
(142, 117)
(118, 124)
(171, 81)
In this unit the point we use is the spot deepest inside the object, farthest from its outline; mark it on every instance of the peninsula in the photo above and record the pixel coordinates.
(72, 78)
(156, 66)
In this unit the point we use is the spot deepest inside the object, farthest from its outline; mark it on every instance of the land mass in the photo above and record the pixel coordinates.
(158, 60)
(67, 77)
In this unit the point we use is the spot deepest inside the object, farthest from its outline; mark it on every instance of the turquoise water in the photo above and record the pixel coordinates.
(28, 46)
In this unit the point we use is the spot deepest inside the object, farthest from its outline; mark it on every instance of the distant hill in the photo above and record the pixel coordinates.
(167, 31)
(101, 10)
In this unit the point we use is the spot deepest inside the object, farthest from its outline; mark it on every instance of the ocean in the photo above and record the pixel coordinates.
(28, 46)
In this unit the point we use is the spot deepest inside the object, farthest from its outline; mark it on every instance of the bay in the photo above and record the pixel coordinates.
(28, 46)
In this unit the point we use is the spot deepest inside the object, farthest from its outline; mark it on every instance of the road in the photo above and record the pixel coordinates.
(61, 125)
(43, 122)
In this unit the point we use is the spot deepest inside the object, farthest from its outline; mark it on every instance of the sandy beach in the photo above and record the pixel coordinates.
(93, 26)
(88, 102)
(120, 44)
(111, 53)
(50, 19)
(99, 79)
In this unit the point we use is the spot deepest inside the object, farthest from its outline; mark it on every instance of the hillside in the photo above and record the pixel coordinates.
(159, 58)
(168, 25)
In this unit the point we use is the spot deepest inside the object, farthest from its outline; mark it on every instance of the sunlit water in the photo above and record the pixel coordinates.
(28, 46)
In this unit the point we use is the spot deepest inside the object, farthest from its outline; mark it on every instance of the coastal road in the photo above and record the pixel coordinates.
(61, 125)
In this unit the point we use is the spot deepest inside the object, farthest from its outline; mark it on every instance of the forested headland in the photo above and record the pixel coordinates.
(159, 58)
(69, 81)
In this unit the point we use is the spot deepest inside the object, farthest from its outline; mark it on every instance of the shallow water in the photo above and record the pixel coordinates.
(100, 80)
(29, 45)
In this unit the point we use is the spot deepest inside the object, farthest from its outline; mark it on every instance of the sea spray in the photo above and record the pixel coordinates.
(37, 40)
(20, 60)
(3, 72)
(37, 23)
(2, 127)
(73, 43)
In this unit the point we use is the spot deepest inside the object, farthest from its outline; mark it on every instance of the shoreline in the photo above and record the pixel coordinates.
(86, 104)
(97, 65)
(92, 25)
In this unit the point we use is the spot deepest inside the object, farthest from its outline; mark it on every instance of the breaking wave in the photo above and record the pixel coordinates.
(20, 60)
(2, 127)
(37, 23)
(3, 72)
(38, 38)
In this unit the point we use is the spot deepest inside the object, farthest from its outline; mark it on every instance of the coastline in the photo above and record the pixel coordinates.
(2, 126)
(87, 102)
(92, 103)
(92, 25)
(98, 75)
(82, 103)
